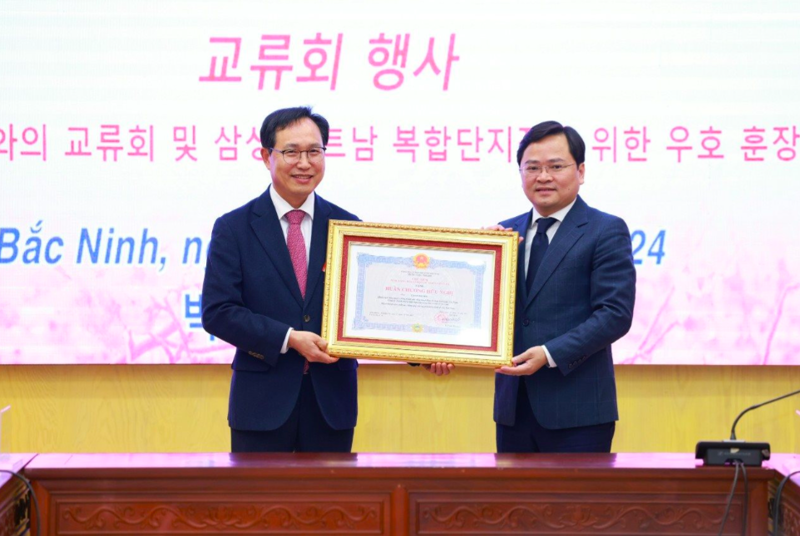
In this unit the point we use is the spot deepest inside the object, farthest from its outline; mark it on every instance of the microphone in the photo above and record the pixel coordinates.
(734, 450)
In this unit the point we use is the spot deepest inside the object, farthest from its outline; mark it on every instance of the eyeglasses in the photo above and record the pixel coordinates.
(535, 171)
(292, 156)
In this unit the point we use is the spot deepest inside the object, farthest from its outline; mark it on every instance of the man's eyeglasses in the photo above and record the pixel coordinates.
(535, 171)
(292, 156)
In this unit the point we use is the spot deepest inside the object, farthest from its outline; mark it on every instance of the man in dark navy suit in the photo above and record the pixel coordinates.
(575, 295)
(263, 293)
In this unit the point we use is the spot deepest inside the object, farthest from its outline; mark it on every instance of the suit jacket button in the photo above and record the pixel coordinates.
(526, 322)
(307, 318)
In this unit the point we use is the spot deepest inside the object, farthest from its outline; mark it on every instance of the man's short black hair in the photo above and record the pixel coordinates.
(549, 128)
(280, 119)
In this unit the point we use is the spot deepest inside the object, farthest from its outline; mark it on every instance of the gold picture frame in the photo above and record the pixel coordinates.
(420, 294)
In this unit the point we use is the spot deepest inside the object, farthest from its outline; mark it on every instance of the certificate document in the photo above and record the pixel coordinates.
(420, 294)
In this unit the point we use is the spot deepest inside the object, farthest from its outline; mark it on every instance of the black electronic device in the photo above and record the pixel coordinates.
(732, 450)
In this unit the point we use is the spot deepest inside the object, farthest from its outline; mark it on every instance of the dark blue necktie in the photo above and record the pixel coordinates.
(538, 249)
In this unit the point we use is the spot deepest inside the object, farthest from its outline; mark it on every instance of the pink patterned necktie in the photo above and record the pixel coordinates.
(297, 252)
(297, 248)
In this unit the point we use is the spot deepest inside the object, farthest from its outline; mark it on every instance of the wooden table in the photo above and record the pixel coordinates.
(14, 499)
(785, 464)
(399, 494)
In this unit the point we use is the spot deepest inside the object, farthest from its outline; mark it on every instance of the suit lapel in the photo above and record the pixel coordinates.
(521, 225)
(568, 233)
(319, 245)
(267, 228)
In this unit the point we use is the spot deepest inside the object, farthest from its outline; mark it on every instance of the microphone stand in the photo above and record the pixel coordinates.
(733, 450)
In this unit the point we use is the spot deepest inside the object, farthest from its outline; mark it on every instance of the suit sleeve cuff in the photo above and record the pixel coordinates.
(285, 347)
(550, 362)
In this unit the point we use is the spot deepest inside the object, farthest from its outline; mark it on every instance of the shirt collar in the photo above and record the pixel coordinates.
(282, 206)
(558, 215)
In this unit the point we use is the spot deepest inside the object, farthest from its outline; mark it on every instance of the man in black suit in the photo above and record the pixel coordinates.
(575, 296)
(263, 293)
(576, 284)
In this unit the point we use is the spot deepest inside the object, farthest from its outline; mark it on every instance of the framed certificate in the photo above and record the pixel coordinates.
(420, 294)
